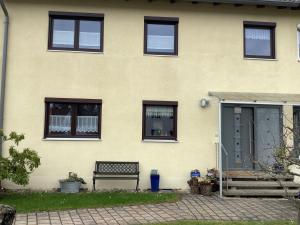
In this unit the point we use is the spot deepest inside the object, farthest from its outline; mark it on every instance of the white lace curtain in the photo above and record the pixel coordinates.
(160, 42)
(87, 124)
(257, 34)
(89, 39)
(152, 111)
(61, 37)
(60, 123)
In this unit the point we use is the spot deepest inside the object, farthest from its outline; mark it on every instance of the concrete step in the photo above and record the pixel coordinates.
(255, 175)
(261, 184)
(259, 192)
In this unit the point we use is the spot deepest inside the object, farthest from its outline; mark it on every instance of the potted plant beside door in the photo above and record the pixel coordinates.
(205, 185)
(71, 184)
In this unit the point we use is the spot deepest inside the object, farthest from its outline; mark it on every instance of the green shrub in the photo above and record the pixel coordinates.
(19, 164)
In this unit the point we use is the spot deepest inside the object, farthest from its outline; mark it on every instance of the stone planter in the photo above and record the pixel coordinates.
(69, 186)
(194, 185)
(7, 214)
(195, 189)
(206, 189)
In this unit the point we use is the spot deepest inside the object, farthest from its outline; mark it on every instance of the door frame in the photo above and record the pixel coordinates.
(237, 103)
(257, 105)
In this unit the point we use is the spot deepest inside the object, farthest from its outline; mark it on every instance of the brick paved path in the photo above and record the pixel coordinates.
(191, 207)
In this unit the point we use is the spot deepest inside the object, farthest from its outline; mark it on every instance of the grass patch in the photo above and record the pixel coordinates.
(45, 201)
(228, 223)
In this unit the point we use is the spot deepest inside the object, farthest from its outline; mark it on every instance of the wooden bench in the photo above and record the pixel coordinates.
(110, 170)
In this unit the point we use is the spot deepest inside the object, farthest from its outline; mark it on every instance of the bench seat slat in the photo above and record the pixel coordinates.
(116, 178)
(112, 173)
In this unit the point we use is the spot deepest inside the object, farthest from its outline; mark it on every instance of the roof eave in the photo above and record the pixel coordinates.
(252, 2)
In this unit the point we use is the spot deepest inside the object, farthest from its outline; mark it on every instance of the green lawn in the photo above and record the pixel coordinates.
(228, 223)
(41, 201)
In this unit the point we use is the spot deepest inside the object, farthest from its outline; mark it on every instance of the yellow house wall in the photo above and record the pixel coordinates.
(210, 59)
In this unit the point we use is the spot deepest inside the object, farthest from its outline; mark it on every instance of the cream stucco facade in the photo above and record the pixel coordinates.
(210, 58)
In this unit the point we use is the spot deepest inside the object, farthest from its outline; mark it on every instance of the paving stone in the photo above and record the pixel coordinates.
(191, 207)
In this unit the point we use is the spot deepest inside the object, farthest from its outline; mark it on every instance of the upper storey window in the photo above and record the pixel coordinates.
(259, 40)
(76, 31)
(161, 36)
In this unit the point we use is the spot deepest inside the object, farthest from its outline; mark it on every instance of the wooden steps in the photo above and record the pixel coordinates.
(259, 193)
(249, 183)
(261, 184)
(254, 175)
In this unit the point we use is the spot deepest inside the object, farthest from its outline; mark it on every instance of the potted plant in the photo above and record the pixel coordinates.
(194, 185)
(213, 175)
(71, 184)
(205, 186)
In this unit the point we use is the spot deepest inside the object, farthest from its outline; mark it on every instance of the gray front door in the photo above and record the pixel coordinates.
(249, 136)
(267, 135)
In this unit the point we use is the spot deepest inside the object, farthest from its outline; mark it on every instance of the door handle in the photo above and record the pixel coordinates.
(250, 139)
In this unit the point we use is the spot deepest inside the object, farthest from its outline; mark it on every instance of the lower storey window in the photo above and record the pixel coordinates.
(160, 120)
(72, 118)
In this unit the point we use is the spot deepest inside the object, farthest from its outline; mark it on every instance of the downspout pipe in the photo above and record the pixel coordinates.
(4, 65)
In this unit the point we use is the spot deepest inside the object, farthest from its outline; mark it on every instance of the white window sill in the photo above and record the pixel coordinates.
(263, 59)
(159, 141)
(71, 51)
(72, 139)
(157, 55)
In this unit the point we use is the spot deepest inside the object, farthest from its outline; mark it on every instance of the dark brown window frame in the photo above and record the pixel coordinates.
(161, 20)
(77, 17)
(173, 104)
(261, 25)
(74, 102)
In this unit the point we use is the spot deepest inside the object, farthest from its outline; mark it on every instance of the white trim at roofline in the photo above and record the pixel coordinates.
(258, 102)
(283, 3)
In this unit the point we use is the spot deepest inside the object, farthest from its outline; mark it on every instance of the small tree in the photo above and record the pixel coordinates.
(19, 164)
(287, 161)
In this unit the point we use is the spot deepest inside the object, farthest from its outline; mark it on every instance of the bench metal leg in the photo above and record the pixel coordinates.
(137, 185)
(94, 185)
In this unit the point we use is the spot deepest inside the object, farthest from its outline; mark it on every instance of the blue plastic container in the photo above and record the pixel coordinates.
(195, 173)
(154, 182)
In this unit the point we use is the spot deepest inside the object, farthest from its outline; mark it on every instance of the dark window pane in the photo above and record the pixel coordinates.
(87, 119)
(60, 118)
(90, 34)
(159, 121)
(258, 41)
(63, 33)
(161, 38)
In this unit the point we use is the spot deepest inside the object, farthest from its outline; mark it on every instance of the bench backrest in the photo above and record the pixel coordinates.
(116, 168)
